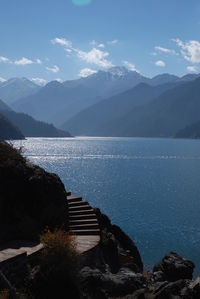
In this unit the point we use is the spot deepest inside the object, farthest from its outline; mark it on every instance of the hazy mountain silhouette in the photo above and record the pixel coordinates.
(8, 130)
(162, 117)
(57, 102)
(27, 125)
(91, 120)
(142, 112)
(16, 88)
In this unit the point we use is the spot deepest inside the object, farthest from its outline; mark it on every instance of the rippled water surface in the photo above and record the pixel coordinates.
(150, 187)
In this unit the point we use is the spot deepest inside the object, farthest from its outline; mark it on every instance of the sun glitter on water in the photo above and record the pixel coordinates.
(81, 2)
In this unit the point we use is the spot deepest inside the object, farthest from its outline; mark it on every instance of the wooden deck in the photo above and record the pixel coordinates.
(17, 249)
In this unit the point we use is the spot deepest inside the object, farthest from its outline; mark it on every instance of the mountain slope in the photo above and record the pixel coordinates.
(163, 117)
(192, 131)
(16, 88)
(3, 106)
(8, 130)
(92, 120)
(32, 128)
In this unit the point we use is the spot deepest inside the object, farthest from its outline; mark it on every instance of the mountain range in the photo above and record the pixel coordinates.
(115, 102)
(58, 102)
(148, 111)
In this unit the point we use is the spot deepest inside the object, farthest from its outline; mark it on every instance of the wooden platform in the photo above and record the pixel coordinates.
(12, 251)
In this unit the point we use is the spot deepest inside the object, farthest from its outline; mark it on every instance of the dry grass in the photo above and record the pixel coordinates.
(4, 294)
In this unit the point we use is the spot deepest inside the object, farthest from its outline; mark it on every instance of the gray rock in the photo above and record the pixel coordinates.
(122, 283)
(175, 267)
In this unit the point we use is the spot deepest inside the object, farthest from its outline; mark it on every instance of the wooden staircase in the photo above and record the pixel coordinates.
(83, 223)
(82, 219)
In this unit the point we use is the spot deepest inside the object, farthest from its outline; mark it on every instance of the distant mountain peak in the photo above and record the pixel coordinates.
(118, 71)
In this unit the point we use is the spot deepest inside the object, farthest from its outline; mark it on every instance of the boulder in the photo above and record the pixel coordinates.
(119, 284)
(175, 267)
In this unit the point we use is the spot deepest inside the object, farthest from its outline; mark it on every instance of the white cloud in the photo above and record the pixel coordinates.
(160, 63)
(61, 41)
(39, 81)
(95, 56)
(54, 69)
(129, 65)
(86, 72)
(38, 61)
(192, 69)
(2, 79)
(165, 50)
(23, 61)
(190, 50)
(113, 42)
(5, 59)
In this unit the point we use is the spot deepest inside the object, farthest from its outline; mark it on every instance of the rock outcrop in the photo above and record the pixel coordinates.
(31, 199)
(119, 271)
(175, 267)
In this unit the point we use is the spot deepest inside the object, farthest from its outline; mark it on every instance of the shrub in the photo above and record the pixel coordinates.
(58, 273)
(4, 294)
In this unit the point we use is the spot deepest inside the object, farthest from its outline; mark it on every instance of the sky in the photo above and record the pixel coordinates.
(68, 39)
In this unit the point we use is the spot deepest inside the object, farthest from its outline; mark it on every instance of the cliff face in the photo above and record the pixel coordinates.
(31, 199)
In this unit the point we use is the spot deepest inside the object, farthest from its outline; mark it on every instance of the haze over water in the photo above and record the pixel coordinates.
(149, 187)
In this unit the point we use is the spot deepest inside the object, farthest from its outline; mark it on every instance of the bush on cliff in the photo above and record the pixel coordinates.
(30, 198)
(57, 276)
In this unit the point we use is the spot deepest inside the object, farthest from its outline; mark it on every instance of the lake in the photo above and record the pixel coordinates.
(149, 187)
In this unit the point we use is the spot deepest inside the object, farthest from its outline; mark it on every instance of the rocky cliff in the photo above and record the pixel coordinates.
(31, 199)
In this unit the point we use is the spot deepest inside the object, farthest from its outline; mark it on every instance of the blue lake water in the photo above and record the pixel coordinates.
(150, 187)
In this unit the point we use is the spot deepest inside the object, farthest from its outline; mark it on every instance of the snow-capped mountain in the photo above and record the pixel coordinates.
(15, 88)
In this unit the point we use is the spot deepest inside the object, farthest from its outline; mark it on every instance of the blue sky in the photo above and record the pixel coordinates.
(65, 40)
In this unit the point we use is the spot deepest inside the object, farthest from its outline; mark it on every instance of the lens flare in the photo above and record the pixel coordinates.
(81, 2)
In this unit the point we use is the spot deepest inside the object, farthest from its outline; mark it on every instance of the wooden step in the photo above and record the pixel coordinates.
(72, 198)
(83, 221)
(81, 212)
(86, 232)
(90, 216)
(79, 208)
(84, 226)
(68, 193)
(77, 203)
